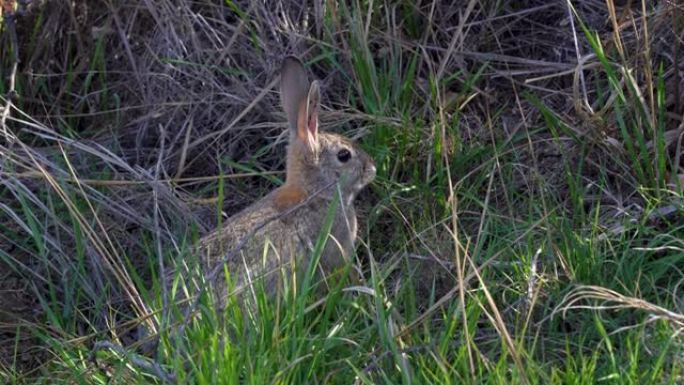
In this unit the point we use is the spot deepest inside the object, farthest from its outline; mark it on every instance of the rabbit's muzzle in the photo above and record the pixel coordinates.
(369, 172)
(367, 175)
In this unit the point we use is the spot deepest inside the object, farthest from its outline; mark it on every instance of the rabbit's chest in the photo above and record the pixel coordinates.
(340, 241)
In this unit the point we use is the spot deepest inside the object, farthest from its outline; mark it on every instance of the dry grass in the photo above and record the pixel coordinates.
(493, 123)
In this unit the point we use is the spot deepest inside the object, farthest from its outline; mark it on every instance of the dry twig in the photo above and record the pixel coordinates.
(9, 16)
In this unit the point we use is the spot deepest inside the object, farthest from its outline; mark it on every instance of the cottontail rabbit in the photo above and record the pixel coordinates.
(281, 228)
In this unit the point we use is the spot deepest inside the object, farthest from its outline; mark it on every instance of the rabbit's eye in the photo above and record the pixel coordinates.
(344, 155)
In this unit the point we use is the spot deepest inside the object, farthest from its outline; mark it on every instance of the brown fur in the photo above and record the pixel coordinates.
(288, 196)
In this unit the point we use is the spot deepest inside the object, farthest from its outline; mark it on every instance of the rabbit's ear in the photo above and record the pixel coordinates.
(300, 101)
(294, 87)
(307, 122)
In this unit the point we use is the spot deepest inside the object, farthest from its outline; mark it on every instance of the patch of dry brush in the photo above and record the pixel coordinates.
(132, 106)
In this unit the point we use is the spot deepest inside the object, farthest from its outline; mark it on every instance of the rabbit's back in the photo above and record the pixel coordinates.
(264, 240)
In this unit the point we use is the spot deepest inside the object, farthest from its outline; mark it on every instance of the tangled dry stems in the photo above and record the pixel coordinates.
(131, 107)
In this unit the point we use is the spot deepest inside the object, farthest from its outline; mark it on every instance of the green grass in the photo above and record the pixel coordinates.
(565, 272)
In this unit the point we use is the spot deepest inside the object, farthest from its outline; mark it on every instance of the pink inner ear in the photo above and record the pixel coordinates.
(313, 121)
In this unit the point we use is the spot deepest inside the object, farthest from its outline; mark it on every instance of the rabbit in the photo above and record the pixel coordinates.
(281, 228)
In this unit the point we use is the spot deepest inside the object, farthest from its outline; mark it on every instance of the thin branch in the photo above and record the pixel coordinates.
(11, 94)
